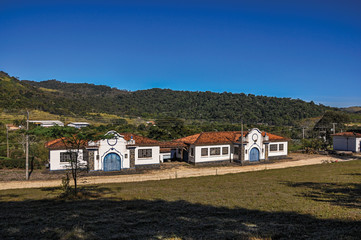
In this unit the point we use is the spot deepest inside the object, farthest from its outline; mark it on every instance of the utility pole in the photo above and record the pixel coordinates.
(334, 127)
(303, 133)
(241, 148)
(27, 148)
(7, 142)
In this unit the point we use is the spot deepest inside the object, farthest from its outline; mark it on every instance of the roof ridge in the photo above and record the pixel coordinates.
(223, 131)
(198, 137)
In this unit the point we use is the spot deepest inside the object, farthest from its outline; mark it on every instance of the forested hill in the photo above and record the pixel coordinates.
(79, 99)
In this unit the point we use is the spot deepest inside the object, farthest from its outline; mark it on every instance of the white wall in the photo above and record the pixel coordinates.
(211, 158)
(358, 144)
(284, 152)
(155, 159)
(55, 163)
(165, 156)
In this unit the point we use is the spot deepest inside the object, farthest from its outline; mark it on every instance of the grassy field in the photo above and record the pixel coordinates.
(311, 202)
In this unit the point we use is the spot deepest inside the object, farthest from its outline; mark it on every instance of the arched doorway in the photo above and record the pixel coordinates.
(254, 155)
(112, 162)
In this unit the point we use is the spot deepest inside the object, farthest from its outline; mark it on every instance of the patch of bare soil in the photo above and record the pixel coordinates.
(19, 174)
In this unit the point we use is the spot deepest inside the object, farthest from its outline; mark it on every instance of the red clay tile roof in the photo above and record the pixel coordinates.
(11, 127)
(221, 137)
(54, 143)
(139, 140)
(347, 134)
(274, 138)
(172, 144)
(60, 143)
(189, 139)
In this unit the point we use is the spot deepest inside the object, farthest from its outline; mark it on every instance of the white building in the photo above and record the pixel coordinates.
(255, 146)
(122, 151)
(347, 141)
(47, 123)
(78, 124)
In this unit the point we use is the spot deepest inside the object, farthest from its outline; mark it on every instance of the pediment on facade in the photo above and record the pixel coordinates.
(254, 130)
(114, 134)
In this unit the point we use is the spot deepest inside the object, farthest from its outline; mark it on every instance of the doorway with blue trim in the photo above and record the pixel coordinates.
(112, 162)
(254, 155)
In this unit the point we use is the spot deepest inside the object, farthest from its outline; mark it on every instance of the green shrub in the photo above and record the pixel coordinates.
(313, 145)
(18, 163)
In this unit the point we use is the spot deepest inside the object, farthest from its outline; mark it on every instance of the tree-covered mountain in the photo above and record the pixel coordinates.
(80, 99)
(354, 109)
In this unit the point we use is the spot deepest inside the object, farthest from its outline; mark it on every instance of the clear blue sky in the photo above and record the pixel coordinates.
(299, 49)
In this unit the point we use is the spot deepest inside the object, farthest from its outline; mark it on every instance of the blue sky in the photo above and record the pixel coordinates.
(300, 49)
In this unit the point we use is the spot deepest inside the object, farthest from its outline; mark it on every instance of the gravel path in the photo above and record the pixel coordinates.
(169, 174)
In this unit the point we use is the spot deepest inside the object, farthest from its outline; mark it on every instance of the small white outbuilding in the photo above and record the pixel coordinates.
(347, 141)
(78, 124)
(47, 123)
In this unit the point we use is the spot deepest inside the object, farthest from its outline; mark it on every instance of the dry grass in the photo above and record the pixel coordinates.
(311, 202)
(35, 114)
(102, 118)
(48, 89)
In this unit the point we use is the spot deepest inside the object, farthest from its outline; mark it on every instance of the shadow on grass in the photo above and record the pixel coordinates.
(84, 192)
(144, 219)
(353, 174)
(5, 196)
(345, 195)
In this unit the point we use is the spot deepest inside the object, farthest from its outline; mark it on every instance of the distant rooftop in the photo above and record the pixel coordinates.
(47, 123)
(347, 134)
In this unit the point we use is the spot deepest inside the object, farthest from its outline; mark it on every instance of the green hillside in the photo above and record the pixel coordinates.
(16, 94)
(81, 99)
(354, 109)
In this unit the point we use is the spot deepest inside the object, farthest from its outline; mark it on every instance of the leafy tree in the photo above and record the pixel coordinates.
(167, 129)
(74, 141)
(313, 145)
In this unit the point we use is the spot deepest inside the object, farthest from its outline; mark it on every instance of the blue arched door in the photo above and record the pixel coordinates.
(254, 155)
(112, 162)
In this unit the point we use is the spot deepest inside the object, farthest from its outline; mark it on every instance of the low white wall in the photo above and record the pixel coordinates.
(155, 159)
(211, 158)
(165, 156)
(283, 152)
(55, 163)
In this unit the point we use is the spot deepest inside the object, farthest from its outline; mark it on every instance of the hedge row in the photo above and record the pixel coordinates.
(18, 163)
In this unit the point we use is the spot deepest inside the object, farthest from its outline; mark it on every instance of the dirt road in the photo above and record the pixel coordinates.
(169, 174)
